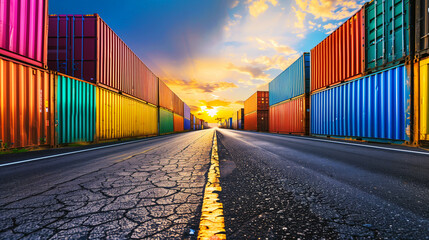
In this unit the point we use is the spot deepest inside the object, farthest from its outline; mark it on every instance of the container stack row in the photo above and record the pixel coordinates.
(256, 112)
(69, 79)
(368, 80)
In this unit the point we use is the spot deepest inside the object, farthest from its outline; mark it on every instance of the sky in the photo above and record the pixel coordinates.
(214, 54)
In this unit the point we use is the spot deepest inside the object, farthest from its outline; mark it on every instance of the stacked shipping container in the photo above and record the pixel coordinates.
(289, 98)
(256, 112)
(186, 117)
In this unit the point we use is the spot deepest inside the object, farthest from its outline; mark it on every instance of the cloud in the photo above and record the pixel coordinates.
(194, 108)
(199, 86)
(331, 27)
(257, 72)
(300, 17)
(239, 102)
(276, 61)
(235, 4)
(272, 44)
(329, 9)
(215, 103)
(258, 7)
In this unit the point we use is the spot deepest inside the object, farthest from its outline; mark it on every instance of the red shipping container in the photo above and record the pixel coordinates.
(85, 47)
(178, 123)
(290, 117)
(24, 30)
(256, 121)
(26, 106)
(166, 96)
(340, 56)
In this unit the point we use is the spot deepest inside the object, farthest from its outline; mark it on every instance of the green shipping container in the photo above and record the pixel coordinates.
(166, 121)
(387, 32)
(75, 115)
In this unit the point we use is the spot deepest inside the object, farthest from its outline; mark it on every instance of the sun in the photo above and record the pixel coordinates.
(210, 111)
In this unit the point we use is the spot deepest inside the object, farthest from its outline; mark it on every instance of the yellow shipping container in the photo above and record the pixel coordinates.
(422, 75)
(119, 116)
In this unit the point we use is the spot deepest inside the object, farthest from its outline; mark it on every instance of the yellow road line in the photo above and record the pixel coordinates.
(212, 225)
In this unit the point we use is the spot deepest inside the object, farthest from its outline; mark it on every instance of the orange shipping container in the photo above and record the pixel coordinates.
(258, 101)
(340, 56)
(26, 106)
(178, 123)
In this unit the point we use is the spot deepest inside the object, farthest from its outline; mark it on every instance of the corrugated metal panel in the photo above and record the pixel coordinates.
(178, 123)
(166, 121)
(26, 106)
(250, 122)
(24, 30)
(186, 111)
(376, 106)
(340, 56)
(422, 26)
(165, 96)
(85, 47)
(424, 99)
(119, 116)
(186, 124)
(289, 117)
(387, 32)
(292, 82)
(75, 114)
(258, 101)
(177, 105)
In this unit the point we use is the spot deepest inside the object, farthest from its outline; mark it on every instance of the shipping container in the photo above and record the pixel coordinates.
(241, 119)
(387, 33)
(177, 105)
(422, 27)
(258, 101)
(166, 121)
(230, 123)
(235, 120)
(292, 82)
(178, 123)
(119, 116)
(376, 106)
(186, 111)
(186, 124)
(85, 47)
(290, 117)
(340, 56)
(421, 80)
(257, 121)
(26, 106)
(75, 115)
(24, 31)
(165, 96)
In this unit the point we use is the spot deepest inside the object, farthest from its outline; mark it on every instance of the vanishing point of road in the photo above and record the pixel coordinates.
(272, 187)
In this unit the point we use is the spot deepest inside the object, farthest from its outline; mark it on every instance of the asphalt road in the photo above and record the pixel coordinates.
(147, 189)
(273, 187)
(279, 186)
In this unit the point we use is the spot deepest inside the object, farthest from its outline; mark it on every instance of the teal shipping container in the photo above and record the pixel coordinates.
(387, 32)
(166, 121)
(292, 82)
(376, 106)
(75, 115)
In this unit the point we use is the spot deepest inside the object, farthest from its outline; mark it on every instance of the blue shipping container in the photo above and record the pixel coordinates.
(239, 124)
(186, 124)
(230, 123)
(292, 82)
(375, 106)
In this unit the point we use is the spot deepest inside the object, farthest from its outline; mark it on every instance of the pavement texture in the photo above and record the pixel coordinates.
(289, 187)
(151, 189)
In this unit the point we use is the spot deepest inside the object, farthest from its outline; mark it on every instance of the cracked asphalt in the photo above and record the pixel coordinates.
(273, 187)
(290, 187)
(149, 189)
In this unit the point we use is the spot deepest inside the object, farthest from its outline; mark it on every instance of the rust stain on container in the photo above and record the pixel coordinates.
(26, 101)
